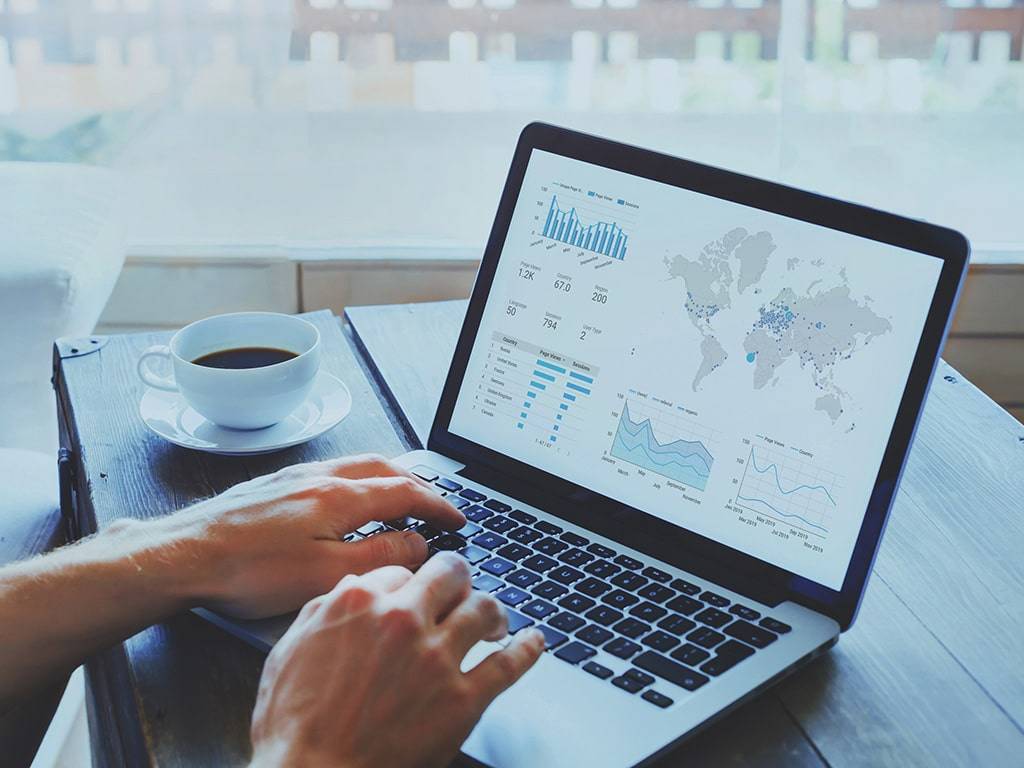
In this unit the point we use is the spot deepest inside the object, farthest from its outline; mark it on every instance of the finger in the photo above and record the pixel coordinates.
(387, 578)
(362, 467)
(404, 548)
(478, 617)
(502, 668)
(440, 585)
(387, 498)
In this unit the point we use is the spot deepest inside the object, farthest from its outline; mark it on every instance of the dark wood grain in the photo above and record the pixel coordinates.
(180, 693)
(928, 673)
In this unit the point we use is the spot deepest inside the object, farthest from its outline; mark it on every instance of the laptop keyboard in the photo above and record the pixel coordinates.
(586, 597)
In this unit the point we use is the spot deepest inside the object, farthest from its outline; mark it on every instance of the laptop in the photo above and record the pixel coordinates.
(675, 420)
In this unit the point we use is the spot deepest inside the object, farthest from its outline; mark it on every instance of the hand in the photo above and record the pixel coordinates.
(369, 674)
(267, 546)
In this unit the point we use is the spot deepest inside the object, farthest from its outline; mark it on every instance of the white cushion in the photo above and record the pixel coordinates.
(29, 508)
(61, 250)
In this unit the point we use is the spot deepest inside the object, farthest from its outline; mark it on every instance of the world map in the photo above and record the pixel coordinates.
(817, 328)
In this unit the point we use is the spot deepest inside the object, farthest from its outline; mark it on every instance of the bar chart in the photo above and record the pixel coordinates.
(603, 237)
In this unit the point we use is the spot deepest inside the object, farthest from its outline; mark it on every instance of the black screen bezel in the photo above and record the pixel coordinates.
(645, 532)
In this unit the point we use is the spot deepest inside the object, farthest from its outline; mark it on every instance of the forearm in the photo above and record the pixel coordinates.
(57, 609)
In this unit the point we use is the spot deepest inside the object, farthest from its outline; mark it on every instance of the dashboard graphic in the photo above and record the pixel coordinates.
(603, 237)
(686, 461)
(788, 489)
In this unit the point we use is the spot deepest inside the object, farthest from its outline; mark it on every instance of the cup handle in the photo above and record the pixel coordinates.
(166, 383)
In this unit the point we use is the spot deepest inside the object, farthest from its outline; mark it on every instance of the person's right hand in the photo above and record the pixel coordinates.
(369, 674)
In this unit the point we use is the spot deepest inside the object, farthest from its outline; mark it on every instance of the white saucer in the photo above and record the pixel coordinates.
(168, 415)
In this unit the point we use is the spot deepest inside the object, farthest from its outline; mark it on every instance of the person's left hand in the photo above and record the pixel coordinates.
(267, 546)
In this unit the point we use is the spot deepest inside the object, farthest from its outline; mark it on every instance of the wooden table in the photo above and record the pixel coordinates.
(931, 674)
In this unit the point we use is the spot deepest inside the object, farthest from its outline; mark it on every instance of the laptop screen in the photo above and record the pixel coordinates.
(732, 371)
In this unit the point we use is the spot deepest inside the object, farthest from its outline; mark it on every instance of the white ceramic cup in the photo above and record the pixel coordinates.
(240, 398)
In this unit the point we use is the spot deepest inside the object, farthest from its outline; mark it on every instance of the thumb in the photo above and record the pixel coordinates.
(398, 548)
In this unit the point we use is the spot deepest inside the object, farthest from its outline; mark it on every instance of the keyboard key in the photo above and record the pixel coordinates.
(458, 502)
(486, 583)
(497, 506)
(517, 621)
(490, 541)
(632, 628)
(602, 569)
(727, 656)
(549, 528)
(538, 609)
(594, 635)
(619, 599)
(448, 542)
(655, 592)
(682, 604)
(593, 587)
(474, 496)
(574, 539)
(525, 535)
(604, 615)
(685, 587)
(522, 517)
(621, 647)
(657, 699)
(469, 530)
(565, 574)
(549, 590)
(476, 513)
(628, 562)
(670, 670)
(552, 637)
(716, 600)
(576, 557)
(402, 523)
(514, 552)
(575, 652)
(522, 578)
(629, 580)
(775, 626)
(647, 611)
(550, 546)
(597, 670)
(744, 612)
(512, 596)
(540, 563)
(424, 473)
(499, 524)
(474, 554)
(448, 485)
(497, 566)
(660, 641)
(567, 622)
(627, 684)
(705, 637)
(641, 677)
(748, 633)
(676, 624)
(601, 550)
(656, 574)
(428, 531)
(576, 603)
(369, 529)
(714, 617)
(690, 654)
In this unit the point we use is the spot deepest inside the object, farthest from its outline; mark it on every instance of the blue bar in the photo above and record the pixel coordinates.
(527, 404)
(552, 366)
(577, 387)
(608, 245)
(622, 256)
(567, 396)
(538, 385)
(553, 438)
(551, 213)
(561, 226)
(569, 225)
(531, 394)
(545, 376)
(618, 242)
(520, 425)
(604, 234)
(522, 415)
(563, 406)
(555, 427)
(581, 377)
(590, 233)
(558, 416)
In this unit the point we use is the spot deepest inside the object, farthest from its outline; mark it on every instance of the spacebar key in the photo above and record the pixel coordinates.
(670, 670)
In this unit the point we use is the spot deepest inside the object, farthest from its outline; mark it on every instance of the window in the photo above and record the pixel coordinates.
(278, 124)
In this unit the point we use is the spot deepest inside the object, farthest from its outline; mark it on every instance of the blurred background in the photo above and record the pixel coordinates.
(300, 154)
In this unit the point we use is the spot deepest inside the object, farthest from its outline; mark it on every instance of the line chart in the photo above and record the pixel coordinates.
(789, 489)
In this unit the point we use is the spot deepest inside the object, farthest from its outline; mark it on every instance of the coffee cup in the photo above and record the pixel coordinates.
(245, 370)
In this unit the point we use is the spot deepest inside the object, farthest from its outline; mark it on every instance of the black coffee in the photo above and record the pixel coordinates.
(245, 357)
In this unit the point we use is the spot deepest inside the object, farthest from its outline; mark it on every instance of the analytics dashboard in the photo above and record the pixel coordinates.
(729, 370)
